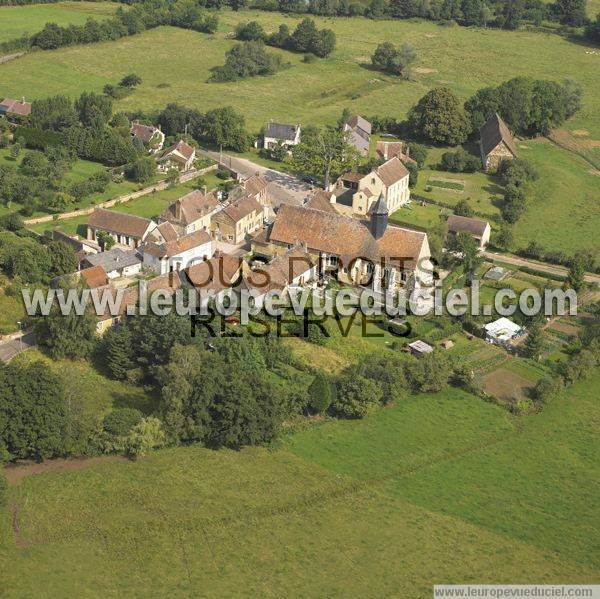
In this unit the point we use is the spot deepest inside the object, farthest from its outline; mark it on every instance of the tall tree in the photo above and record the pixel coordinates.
(534, 343)
(439, 117)
(325, 152)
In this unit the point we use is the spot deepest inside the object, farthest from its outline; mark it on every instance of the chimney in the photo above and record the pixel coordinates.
(159, 127)
(379, 218)
(23, 100)
(204, 188)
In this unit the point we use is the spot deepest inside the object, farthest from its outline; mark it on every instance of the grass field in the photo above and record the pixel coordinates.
(308, 93)
(18, 20)
(563, 213)
(441, 488)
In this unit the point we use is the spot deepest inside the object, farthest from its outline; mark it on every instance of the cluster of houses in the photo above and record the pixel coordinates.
(179, 156)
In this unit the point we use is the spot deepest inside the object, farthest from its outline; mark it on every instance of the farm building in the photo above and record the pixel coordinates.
(420, 348)
(125, 229)
(496, 143)
(475, 227)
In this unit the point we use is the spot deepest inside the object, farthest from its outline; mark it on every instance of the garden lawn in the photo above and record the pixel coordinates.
(439, 488)
(309, 93)
(18, 20)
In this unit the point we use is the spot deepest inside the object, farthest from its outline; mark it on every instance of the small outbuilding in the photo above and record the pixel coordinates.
(477, 228)
(420, 348)
(447, 344)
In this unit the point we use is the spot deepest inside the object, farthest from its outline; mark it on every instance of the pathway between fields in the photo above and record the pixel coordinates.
(551, 269)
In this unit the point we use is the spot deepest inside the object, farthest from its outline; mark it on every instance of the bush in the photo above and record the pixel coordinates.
(148, 434)
(252, 31)
(120, 421)
(247, 59)
(356, 396)
(460, 162)
(320, 394)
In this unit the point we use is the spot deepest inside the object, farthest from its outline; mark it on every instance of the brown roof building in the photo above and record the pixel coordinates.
(149, 135)
(192, 212)
(10, 107)
(126, 229)
(479, 229)
(238, 219)
(94, 277)
(342, 240)
(180, 156)
(496, 143)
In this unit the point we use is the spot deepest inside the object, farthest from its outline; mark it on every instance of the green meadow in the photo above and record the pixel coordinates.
(439, 488)
(18, 20)
(464, 59)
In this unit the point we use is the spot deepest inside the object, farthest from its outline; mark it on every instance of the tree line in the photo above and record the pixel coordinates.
(507, 14)
(142, 16)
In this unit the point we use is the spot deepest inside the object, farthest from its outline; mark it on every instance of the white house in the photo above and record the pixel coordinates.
(278, 133)
(178, 254)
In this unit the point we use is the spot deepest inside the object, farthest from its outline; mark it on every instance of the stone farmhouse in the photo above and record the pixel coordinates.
(192, 212)
(255, 187)
(280, 134)
(359, 133)
(357, 192)
(364, 252)
(496, 143)
(180, 156)
(152, 137)
(177, 254)
(125, 229)
(478, 229)
(238, 219)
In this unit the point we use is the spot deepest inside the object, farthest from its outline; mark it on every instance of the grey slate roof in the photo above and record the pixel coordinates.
(281, 131)
(114, 259)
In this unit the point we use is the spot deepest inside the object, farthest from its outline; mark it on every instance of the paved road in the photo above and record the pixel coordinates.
(283, 188)
(9, 349)
(543, 266)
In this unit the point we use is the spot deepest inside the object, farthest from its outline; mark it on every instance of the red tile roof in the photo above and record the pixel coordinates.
(95, 276)
(10, 106)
